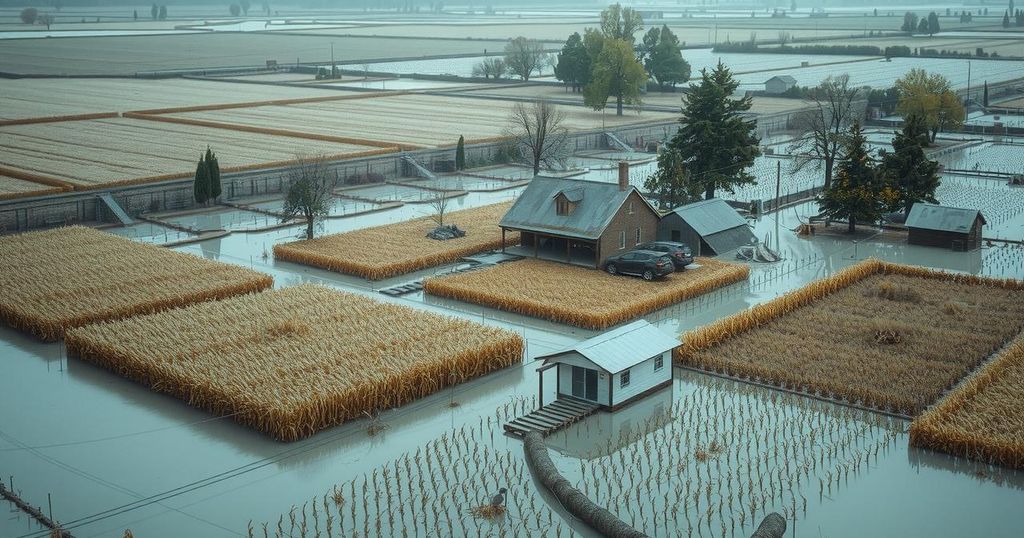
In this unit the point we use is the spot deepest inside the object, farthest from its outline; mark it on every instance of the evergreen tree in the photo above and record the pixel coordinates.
(716, 143)
(1006, 19)
(460, 154)
(933, 23)
(201, 183)
(670, 184)
(154, 11)
(914, 176)
(213, 169)
(858, 192)
(616, 73)
(922, 27)
(574, 63)
(664, 60)
(984, 96)
(163, 13)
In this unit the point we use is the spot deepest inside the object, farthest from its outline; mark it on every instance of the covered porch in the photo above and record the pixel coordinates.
(563, 249)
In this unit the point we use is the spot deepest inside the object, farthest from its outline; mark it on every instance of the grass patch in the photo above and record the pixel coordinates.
(395, 249)
(981, 419)
(580, 296)
(293, 361)
(57, 279)
(876, 334)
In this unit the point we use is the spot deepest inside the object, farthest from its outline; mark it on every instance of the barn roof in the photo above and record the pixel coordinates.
(943, 218)
(597, 202)
(788, 79)
(621, 348)
(708, 217)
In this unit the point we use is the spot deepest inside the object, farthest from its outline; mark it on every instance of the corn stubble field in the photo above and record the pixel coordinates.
(580, 296)
(981, 419)
(885, 336)
(291, 362)
(58, 279)
(395, 249)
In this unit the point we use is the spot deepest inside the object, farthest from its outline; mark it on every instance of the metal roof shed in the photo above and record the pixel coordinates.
(947, 227)
(709, 227)
(614, 368)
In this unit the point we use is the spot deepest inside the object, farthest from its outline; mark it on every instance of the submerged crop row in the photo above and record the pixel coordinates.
(293, 361)
(876, 334)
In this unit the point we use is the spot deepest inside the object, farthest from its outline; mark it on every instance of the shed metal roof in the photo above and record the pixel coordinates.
(708, 217)
(597, 202)
(621, 348)
(943, 218)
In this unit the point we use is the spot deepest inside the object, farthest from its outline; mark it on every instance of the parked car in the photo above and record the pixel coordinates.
(644, 263)
(679, 252)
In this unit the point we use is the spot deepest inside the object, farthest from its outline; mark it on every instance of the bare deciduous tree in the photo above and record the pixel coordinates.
(309, 191)
(524, 56)
(538, 129)
(439, 206)
(834, 106)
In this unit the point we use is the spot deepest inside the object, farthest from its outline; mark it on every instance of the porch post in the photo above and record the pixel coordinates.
(568, 250)
(502, 240)
(536, 244)
(540, 389)
(597, 255)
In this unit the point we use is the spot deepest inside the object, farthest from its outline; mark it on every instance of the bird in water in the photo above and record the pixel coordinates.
(499, 499)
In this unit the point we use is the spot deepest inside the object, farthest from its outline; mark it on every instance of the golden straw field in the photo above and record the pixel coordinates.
(11, 187)
(58, 279)
(91, 153)
(293, 361)
(982, 418)
(394, 249)
(877, 334)
(580, 296)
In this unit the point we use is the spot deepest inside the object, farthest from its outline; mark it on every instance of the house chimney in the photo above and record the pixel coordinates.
(623, 175)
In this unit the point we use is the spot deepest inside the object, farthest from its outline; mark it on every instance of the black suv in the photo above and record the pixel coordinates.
(644, 263)
(679, 252)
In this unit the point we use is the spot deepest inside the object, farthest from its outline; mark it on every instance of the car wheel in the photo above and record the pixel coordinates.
(611, 269)
(648, 275)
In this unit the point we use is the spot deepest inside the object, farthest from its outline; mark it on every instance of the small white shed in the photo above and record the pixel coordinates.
(614, 368)
(779, 84)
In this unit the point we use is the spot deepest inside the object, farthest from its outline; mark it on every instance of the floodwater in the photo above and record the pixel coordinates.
(148, 232)
(34, 34)
(225, 219)
(115, 455)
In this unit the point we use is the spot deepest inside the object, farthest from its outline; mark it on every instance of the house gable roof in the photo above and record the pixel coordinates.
(597, 204)
(708, 217)
(943, 218)
(788, 79)
(621, 348)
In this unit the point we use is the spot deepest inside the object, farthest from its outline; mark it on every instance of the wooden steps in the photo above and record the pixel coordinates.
(552, 417)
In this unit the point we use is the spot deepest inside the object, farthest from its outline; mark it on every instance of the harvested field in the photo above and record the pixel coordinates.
(981, 419)
(580, 296)
(395, 249)
(58, 279)
(291, 362)
(36, 97)
(11, 187)
(112, 151)
(424, 120)
(880, 335)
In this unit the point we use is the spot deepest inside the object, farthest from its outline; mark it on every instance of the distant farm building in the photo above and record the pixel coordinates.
(947, 227)
(709, 227)
(579, 221)
(779, 84)
(614, 368)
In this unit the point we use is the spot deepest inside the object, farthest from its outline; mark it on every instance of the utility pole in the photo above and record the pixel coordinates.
(778, 182)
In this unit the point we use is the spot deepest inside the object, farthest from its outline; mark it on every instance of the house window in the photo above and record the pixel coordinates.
(630, 210)
(639, 235)
(659, 362)
(562, 206)
(622, 239)
(624, 379)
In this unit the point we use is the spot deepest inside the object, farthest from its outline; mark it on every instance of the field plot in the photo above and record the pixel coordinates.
(58, 279)
(291, 362)
(877, 334)
(580, 296)
(92, 153)
(423, 120)
(981, 419)
(11, 187)
(395, 249)
(34, 97)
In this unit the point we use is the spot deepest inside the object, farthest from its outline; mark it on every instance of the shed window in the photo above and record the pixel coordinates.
(562, 206)
(622, 239)
(624, 379)
(659, 362)
(639, 235)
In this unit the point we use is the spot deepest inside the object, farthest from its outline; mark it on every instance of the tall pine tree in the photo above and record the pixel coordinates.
(858, 193)
(906, 168)
(716, 143)
(201, 183)
(460, 154)
(213, 169)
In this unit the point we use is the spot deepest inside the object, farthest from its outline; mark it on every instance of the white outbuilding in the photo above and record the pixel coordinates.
(613, 368)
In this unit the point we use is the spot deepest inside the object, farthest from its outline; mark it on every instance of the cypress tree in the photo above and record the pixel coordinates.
(201, 184)
(460, 154)
(213, 168)
(984, 97)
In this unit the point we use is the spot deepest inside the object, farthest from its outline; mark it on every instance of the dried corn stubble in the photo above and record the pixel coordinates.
(980, 419)
(395, 249)
(57, 279)
(580, 296)
(293, 361)
(822, 338)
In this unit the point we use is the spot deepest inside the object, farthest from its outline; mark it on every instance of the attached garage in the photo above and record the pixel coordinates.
(945, 227)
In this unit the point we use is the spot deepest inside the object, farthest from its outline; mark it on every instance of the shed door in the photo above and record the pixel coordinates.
(584, 383)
